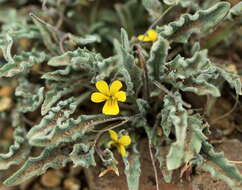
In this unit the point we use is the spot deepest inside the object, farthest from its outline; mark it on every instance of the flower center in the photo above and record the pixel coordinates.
(112, 97)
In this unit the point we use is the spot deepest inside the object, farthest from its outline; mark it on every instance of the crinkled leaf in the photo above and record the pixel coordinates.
(21, 63)
(56, 92)
(55, 116)
(83, 155)
(18, 152)
(132, 168)
(180, 122)
(201, 22)
(132, 73)
(158, 55)
(232, 78)
(30, 96)
(69, 130)
(195, 74)
(50, 158)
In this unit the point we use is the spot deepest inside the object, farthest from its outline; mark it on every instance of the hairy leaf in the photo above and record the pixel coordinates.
(18, 152)
(220, 160)
(180, 122)
(55, 116)
(158, 55)
(216, 174)
(195, 74)
(20, 63)
(132, 73)
(201, 22)
(83, 155)
(132, 168)
(30, 96)
(50, 158)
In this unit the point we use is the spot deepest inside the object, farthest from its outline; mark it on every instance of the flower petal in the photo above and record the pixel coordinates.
(110, 143)
(103, 87)
(113, 135)
(121, 150)
(115, 87)
(121, 96)
(144, 38)
(150, 36)
(98, 97)
(111, 107)
(125, 140)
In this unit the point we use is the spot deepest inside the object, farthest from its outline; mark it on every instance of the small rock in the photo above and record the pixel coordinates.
(5, 103)
(6, 91)
(72, 184)
(51, 179)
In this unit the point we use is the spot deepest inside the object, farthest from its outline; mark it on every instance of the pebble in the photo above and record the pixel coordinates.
(51, 179)
(72, 184)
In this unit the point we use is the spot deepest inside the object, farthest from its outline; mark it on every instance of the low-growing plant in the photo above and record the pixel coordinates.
(58, 60)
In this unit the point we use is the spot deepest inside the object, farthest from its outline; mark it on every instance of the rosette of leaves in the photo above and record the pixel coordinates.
(68, 128)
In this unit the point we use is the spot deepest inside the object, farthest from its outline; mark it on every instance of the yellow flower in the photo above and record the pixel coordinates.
(109, 94)
(150, 36)
(120, 143)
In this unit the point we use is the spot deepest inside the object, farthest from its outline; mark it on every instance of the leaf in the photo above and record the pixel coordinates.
(216, 174)
(56, 92)
(226, 30)
(195, 74)
(77, 59)
(132, 73)
(83, 155)
(88, 39)
(132, 168)
(6, 46)
(235, 11)
(168, 110)
(69, 130)
(195, 138)
(157, 59)
(180, 121)
(55, 116)
(220, 160)
(232, 78)
(50, 158)
(171, 2)
(48, 36)
(201, 22)
(154, 8)
(30, 96)
(21, 63)
(18, 152)
(125, 16)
